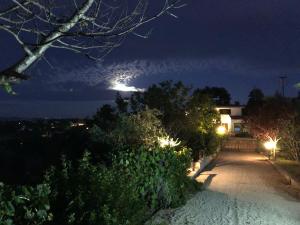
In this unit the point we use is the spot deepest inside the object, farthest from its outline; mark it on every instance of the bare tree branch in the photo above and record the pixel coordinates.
(90, 27)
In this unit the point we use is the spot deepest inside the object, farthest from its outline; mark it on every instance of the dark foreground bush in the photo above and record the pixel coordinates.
(136, 185)
(24, 205)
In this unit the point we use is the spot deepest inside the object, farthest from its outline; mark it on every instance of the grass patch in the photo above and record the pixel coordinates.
(292, 167)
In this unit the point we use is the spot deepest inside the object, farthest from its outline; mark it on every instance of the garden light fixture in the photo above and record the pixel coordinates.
(168, 142)
(221, 130)
(271, 145)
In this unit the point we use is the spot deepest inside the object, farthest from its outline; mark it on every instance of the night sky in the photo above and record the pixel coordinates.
(236, 44)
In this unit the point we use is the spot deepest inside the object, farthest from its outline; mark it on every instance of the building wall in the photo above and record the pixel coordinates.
(226, 119)
(235, 111)
(236, 121)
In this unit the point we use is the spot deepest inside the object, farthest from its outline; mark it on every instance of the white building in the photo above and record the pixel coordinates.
(232, 118)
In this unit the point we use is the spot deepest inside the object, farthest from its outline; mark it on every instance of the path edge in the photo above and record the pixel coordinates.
(289, 178)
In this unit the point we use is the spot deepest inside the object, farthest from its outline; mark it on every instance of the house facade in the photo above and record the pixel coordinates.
(232, 118)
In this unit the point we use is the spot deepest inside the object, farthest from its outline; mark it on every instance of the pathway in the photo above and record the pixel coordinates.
(242, 189)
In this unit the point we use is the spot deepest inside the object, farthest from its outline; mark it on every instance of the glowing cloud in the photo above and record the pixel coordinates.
(124, 87)
(119, 75)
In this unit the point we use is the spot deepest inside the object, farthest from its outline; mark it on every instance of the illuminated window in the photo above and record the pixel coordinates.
(237, 127)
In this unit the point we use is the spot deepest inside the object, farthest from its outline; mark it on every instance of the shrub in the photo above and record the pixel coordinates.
(90, 194)
(24, 205)
(131, 131)
(290, 133)
(158, 175)
(138, 129)
(138, 183)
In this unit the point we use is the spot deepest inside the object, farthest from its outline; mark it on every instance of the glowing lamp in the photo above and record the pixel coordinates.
(270, 145)
(168, 142)
(221, 130)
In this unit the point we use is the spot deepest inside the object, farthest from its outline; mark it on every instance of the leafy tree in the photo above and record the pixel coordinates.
(202, 113)
(105, 117)
(134, 130)
(190, 118)
(290, 134)
(202, 119)
(137, 102)
(122, 104)
(167, 97)
(266, 120)
(255, 101)
(219, 94)
(256, 96)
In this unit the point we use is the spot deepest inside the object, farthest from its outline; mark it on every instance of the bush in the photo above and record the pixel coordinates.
(158, 175)
(138, 129)
(90, 194)
(210, 143)
(138, 183)
(131, 131)
(204, 144)
(24, 205)
(290, 133)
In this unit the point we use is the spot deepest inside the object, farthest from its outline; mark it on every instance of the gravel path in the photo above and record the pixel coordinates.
(242, 189)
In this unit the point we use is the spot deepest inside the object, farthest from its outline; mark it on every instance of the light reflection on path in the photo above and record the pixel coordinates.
(242, 188)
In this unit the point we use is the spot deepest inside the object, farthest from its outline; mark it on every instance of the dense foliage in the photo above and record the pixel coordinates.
(140, 178)
(219, 95)
(290, 137)
(138, 183)
(129, 131)
(137, 158)
(276, 118)
(24, 204)
(266, 120)
(190, 117)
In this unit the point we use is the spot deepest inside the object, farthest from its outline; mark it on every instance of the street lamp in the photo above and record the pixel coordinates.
(221, 131)
(271, 145)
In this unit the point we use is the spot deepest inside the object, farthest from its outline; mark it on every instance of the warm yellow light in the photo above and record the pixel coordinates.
(168, 142)
(221, 130)
(270, 145)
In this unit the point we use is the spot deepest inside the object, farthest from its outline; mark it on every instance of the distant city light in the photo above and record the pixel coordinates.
(77, 124)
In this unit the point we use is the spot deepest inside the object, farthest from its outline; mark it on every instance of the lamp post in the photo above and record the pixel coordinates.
(221, 131)
(271, 145)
